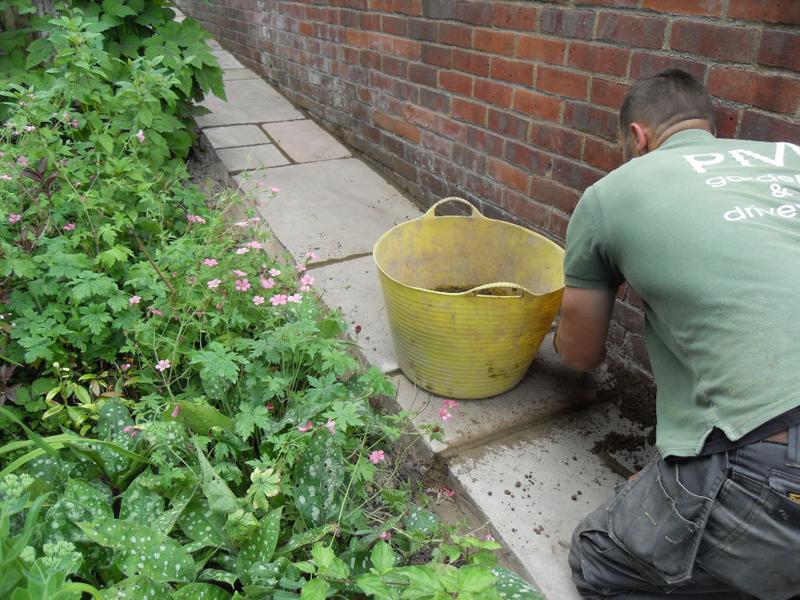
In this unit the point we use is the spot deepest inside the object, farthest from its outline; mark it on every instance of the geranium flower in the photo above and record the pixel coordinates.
(306, 281)
(267, 283)
(176, 411)
(278, 299)
(134, 300)
(258, 300)
(131, 430)
(242, 250)
(163, 365)
(274, 190)
(140, 136)
(195, 219)
(300, 267)
(210, 262)
(274, 272)
(377, 456)
(239, 273)
(294, 298)
(311, 256)
(331, 426)
(214, 283)
(385, 536)
(444, 414)
(69, 227)
(306, 427)
(126, 366)
(450, 404)
(242, 285)
(15, 218)
(23, 161)
(5, 177)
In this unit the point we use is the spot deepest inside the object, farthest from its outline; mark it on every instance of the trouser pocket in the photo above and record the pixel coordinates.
(658, 519)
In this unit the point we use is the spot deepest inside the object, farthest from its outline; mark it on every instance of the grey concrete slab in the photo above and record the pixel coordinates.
(236, 74)
(249, 101)
(548, 389)
(227, 60)
(341, 207)
(305, 141)
(214, 45)
(535, 486)
(235, 135)
(353, 287)
(252, 157)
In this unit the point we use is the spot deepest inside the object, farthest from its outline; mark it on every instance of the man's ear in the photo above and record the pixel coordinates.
(641, 138)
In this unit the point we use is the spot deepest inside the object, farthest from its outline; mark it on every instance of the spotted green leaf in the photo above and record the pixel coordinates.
(81, 501)
(202, 524)
(260, 547)
(113, 419)
(142, 551)
(512, 586)
(318, 479)
(201, 591)
(421, 521)
(218, 575)
(220, 497)
(138, 588)
(140, 504)
(166, 521)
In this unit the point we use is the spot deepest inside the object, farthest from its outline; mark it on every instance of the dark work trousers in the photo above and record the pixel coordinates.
(719, 527)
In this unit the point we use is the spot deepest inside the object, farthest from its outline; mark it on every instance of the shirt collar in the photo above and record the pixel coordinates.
(686, 135)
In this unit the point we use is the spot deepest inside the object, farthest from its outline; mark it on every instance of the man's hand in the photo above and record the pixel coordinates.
(582, 329)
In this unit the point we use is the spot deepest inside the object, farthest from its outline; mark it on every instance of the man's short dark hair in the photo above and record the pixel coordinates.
(664, 99)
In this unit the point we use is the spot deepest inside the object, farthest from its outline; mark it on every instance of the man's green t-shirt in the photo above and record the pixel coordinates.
(707, 231)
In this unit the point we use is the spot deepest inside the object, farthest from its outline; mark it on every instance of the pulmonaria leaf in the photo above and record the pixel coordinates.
(421, 521)
(512, 586)
(202, 524)
(318, 479)
(140, 504)
(113, 419)
(220, 497)
(201, 591)
(167, 520)
(138, 588)
(218, 575)
(140, 550)
(260, 547)
(81, 501)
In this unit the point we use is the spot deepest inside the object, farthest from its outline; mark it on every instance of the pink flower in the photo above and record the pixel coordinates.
(30, 128)
(163, 365)
(239, 273)
(300, 267)
(5, 177)
(155, 311)
(214, 284)
(243, 250)
(385, 536)
(274, 190)
(488, 537)
(15, 218)
(74, 123)
(267, 283)
(126, 366)
(242, 285)
(69, 227)
(134, 300)
(210, 262)
(176, 411)
(254, 219)
(195, 219)
(306, 281)
(331, 426)
(447, 492)
(306, 427)
(311, 256)
(258, 300)
(376, 456)
(242, 224)
(22, 161)
(274, 272)
(255, 245)
(444, 414)
(131, 430)
(278, 299)
(140, 136)
(450, 404)
(294, 298)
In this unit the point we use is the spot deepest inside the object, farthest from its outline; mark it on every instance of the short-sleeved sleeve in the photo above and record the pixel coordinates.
(587, 263)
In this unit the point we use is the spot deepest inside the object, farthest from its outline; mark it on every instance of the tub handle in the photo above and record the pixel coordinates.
(432, 210)
(500, 284)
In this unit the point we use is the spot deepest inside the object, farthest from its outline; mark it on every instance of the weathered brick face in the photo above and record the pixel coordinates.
(513, 104)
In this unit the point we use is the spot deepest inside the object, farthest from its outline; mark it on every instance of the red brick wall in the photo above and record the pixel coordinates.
(513, 104)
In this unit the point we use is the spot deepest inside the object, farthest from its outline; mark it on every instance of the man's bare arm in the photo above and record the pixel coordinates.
(582, 330)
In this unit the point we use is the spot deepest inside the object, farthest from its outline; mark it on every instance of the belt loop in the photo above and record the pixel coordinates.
(793, 454)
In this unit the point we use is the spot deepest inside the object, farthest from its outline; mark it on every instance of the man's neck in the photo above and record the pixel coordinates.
(663, 133)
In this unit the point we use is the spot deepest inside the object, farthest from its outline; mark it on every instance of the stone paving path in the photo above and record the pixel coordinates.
(522, 460)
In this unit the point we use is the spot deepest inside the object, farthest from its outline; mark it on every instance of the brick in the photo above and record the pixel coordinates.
(526, 157)
(497, 94)
(727, 121)
(483, 141)
(403, 168)
(396, 126)
(419, 116)
(380, 5)
(523, 207)
(514, 16)
(474, 13)
(734, 44)
(537, 105)
(563, 83)
(423, 30)
(558, 140)
(645, 64)
(506, 174)
(423, 74)
(637, 348)
(407, 48)
(590, 119)
(770, 11)
(453, 34)
(598, 59)
(394, 25)
(369, 21)
(481, 188)
(629, 317)
(434, 100)
(614, 3)
(369, 59)
(507, 124)
(608, 93)
(770, 128)
(469, 111)
(458, 83)
(780, 49)
(450, 129)
(437, 55)
(514, 71)
(408, 7)
(534, 47)
(471, 62)
(601, 155)
(410, 92)
(496, 42)
(631, 30)
(573, 174)
(567, 22)
(554, 194)
(439, 9)
(703, 8)
(396, 67)
(468, 158)
(780, 94)
(558, 225)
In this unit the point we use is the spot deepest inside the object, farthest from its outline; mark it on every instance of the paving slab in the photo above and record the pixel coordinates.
(235, 74)
(227, 60)
(252, 157)
(214, 45)
(249, 101)
(235, 135)
(339, 207)
(548, 389)
(305, 141)
(535, 486)
(353, 287)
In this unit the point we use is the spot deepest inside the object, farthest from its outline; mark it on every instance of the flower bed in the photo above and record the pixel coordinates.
(181, 416)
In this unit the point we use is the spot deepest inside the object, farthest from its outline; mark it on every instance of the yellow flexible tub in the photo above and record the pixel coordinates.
(469, 300)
